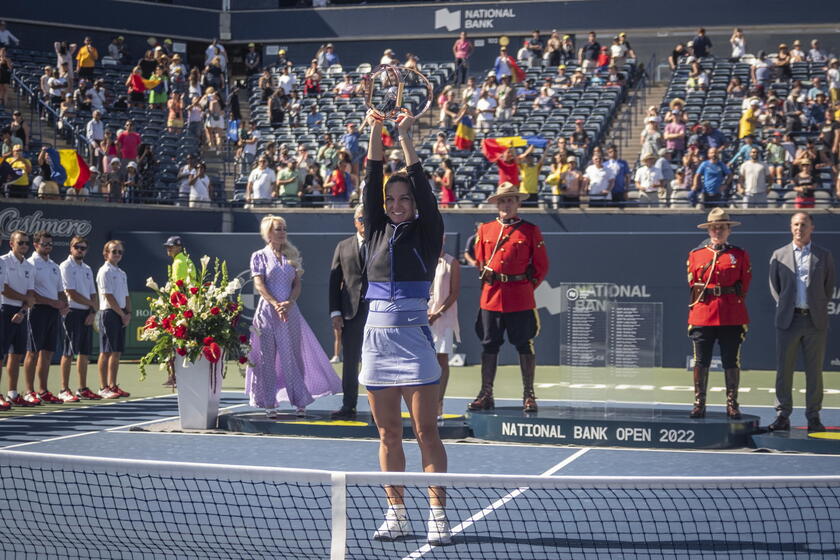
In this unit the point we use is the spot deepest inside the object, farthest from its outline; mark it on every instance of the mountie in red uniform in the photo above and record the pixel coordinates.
(718, 278)
(513, 261)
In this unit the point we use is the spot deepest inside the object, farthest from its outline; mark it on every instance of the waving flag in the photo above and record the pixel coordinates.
(465, 134)
(517, 74)
(493, 148)
(68, 168)
(138, 83)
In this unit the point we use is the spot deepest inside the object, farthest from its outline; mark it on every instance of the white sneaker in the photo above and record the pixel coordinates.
(335, 360)
(67, 396)
(394, 527)
(439, 533)
(107, 393)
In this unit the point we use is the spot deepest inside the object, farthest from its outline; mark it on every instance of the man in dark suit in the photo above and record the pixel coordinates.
(348, 309)
(802, 278)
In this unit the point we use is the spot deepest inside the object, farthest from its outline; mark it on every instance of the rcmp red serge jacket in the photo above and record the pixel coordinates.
(524, 247)
(731, 267)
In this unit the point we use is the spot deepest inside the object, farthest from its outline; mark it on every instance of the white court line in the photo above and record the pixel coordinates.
(48, 439)
(496, 505)
(657, 403)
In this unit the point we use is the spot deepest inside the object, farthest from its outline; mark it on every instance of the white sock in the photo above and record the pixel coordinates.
(398, 510)
(12, 394)
(437, 513)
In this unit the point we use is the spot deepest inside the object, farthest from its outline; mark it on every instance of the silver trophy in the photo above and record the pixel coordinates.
(395, 90)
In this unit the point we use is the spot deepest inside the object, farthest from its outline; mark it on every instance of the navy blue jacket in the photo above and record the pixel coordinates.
(401, 259)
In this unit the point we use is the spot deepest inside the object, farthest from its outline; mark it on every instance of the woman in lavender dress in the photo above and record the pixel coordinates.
(287, 361)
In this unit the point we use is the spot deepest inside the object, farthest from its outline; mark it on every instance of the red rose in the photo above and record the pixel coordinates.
(181, 351)
(193, 290)
(213, 352)
(209, 340)
(243, 359)
(188, 314)
(178, 299)
(166, 323)
(180, 331)
(207, 284)
(243, 339)
(215, 311)
(180, 283)
(151, 323)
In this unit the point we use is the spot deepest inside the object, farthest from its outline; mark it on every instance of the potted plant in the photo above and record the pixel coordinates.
(193, 324)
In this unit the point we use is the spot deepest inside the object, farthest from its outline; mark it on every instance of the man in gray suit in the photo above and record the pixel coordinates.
(349, 309)
(801, 281)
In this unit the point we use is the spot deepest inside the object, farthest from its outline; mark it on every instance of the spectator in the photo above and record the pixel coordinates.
(6, 37)
(794, 110)
(146, 169)
(86, 58)
(470, 93)
(676, 55)
(95, 132)
(175, 118)
(588, 53)
(648, 181)
(621, 176)
(346, 89)
(796, 53)
(216, 50)
(832, 78)
(98, 96)
(112, 285)
(213, 75)
(618, 52)
(64, 58)
(781, 66)
(6, 67)
(22, 169)
(247, 145)
(112, 181)
(816, 88)
(527, 92)
(776, 157)
(816, 54)
(147, 64)
(448, 111)
(261, 181)
(749, 119)
(571, 185)
(545, 99)
(214, 125)
(327, 57)
(503, 64)
(712, 137)
(440, 149)
(282, 61)
(314, 120)
(336, 184)
(739, 45)
(743, 153)
(312, 80)
(19, 129)
(674, 135)
(651, 139)
(486, 111)
(287, 81)
(755, 178)
(736, 88)
(66, 110)
(389, 58)
(185, 173)
(714, 176)
(506, 99)
(461, 51)
(194, 87)
(509, 163)
(159, 94)
(804, 185)
(562, 79)
(288, 182)
(312, 190)
(760, 71)
(177, 73)
(598, 182)
(815, 112)
(603, 60)
(698, 78)
(200, 187)
(128, 141)
(277, 106)
(701, 45)
(578, 79)
(567, 50)
(253, 60)
(579, 140)
(57, 85)
(327, 156)
(529, 171)
(536, 47)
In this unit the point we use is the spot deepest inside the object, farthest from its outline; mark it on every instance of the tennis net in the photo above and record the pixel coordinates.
(61, 506)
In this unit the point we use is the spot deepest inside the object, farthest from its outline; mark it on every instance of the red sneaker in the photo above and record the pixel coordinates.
(20, 401)
(87, 394)
(119, 391)
(67, 396)
(48, 398)
(32, 398)
(4, 404)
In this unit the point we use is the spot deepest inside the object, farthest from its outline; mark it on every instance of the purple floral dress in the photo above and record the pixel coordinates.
(289, 364)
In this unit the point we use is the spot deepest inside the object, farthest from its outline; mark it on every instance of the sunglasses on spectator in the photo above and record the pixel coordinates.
(360, 220)
(21, 243)
(80, 247)
(45, 243)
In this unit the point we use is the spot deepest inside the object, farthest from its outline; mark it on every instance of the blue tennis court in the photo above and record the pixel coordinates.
(523, 512)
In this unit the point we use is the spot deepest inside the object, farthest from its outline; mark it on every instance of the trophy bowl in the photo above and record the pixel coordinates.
(395, 90)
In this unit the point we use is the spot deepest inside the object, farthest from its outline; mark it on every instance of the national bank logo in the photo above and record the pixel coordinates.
(480, 18)
(450, 20)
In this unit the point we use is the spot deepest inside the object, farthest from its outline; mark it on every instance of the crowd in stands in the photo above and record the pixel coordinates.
(744, 129)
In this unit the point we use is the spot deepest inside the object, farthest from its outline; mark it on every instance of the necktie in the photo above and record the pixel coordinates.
(362, 254)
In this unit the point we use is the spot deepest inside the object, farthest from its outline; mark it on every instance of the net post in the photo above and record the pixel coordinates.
(338, 501)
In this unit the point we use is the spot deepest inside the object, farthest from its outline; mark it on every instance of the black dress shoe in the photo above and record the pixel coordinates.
(781, 424)
(344, 414)
(815, 426)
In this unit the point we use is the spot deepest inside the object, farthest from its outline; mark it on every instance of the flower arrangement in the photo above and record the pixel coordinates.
(195, 318)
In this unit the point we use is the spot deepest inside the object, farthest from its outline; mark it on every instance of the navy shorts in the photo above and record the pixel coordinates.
(43, 326)
(111, 332)
(78, 337)
(14, 335)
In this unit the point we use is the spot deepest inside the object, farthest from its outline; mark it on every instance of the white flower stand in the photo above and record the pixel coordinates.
(199, 389)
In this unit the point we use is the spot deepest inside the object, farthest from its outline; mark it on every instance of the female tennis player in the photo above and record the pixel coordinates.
(404, 235)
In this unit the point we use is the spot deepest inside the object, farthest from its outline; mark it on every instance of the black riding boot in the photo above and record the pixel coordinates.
(528, 363)
(484, 400)
(701, 382)
(732, 378)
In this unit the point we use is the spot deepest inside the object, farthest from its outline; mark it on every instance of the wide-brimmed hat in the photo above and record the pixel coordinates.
(718, 216)
(507, 189)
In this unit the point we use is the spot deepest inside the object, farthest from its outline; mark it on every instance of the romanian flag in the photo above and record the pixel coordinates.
(465, 134)
(138, 83)
(493, 148)
(68, 168)
(387, 139)
(516, 73)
